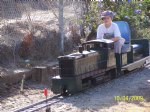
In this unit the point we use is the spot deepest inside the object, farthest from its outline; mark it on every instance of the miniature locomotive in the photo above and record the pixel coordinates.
(96, 62)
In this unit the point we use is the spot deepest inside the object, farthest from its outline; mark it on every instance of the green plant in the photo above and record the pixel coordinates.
(135, 13)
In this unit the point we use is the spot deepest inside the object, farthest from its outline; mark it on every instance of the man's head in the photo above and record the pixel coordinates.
(107, 17)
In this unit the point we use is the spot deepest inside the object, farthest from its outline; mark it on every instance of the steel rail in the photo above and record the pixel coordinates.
(41, 104)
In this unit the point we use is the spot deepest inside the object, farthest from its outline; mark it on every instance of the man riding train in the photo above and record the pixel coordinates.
(110, 30)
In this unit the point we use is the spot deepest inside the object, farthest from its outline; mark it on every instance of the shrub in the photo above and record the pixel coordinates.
(135, 13)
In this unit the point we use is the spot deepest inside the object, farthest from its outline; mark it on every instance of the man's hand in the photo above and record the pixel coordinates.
(115, 39)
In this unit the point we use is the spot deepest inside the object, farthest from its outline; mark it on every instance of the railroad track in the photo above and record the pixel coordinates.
(42, 104)
(50, 101)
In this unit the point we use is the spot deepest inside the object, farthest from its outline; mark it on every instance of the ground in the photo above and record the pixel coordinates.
(11, 98)
(98, 99)
(102, 97)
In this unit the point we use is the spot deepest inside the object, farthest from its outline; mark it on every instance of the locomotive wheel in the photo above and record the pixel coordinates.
(65, 91)
(48, 109)
(113, 73)
(93, 81)
(142, 67)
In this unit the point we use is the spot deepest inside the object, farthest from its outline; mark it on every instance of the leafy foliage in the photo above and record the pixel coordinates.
(136, 13)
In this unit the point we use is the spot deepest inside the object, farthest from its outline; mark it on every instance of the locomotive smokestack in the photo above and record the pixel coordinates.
(81, 49)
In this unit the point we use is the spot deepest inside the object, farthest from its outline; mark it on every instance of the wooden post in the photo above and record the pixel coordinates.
(40, 74)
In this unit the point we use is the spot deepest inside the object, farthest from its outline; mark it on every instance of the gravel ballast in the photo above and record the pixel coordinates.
(98, 99)
(102, 97)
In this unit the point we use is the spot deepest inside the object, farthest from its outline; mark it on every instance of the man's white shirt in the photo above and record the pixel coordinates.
(112, 30)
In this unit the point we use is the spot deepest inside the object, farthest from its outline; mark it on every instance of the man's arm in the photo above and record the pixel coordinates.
(99, 33)
(117, 34)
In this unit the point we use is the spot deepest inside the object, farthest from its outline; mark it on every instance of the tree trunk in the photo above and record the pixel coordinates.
(61, 26)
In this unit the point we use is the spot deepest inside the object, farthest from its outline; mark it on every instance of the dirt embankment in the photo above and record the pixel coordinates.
(40, 44)
(38, 18)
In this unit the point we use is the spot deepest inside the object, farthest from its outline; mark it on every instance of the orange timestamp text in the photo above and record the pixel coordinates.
(128, 98)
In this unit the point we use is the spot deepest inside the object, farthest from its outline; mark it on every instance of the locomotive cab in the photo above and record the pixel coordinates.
(133, 50)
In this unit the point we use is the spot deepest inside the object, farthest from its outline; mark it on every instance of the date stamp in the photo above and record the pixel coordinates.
(128, 98)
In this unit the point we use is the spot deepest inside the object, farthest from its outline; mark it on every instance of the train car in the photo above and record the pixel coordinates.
(96, 62)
